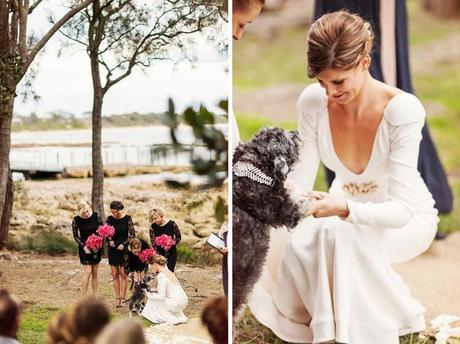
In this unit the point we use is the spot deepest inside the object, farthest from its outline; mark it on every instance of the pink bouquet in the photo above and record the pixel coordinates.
(94, 242)
(165, 241)
(145, 255)
(106, 231)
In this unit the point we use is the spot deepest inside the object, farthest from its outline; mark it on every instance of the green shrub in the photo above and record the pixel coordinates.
(202, 257)
(51, 243)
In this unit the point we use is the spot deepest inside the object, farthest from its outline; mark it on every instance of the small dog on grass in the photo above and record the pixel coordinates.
(260, 201)
(137, 299)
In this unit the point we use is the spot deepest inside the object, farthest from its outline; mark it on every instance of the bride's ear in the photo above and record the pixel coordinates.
(366, 61)
(281, 168)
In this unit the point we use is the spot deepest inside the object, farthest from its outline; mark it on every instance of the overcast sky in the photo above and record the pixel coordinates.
(64, 83)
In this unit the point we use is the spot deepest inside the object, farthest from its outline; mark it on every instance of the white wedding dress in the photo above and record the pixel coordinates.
(330, 279)
(167, 304)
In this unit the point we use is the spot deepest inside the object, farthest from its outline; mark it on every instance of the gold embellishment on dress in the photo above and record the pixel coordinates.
(355, 189)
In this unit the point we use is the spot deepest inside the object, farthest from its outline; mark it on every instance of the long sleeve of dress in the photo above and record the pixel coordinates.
(126, 264)
(405, 119)
(304, 174)
(161, 289)
(131, 232)
(177, 237)
(76, 233)
(152, 236)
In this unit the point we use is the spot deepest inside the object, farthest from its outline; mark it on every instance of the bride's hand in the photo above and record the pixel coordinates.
(324, 204)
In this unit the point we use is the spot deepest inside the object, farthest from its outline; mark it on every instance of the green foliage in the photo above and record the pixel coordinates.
(425, 27)
(278, 60)
(52, 243)
(202, 123)
(202, 257)
(34, 323)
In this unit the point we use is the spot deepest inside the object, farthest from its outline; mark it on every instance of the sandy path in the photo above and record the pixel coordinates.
(434, 277)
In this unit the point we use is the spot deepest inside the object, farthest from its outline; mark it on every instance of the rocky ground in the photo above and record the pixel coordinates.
(50, 205)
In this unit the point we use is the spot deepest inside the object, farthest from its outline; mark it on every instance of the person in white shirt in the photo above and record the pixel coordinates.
(331, 278)
(10, 318)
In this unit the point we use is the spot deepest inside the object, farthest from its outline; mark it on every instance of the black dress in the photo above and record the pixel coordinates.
(429, 165)
(171, 229)
(133, 262)
(82, 229)
(124, 230)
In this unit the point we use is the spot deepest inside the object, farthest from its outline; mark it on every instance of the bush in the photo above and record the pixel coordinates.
(51, 243)
(203, 257)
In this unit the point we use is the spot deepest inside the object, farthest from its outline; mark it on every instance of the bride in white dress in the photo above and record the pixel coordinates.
(331, 279)
(168, 303)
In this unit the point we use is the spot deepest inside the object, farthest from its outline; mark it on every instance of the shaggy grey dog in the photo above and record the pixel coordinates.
(137, 300)
(260, 203)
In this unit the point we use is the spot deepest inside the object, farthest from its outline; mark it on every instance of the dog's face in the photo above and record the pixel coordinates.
(274, 150)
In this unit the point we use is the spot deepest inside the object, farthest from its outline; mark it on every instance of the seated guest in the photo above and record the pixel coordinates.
(9, 318)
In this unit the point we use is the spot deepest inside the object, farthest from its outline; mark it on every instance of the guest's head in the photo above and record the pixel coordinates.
(123, 331)
(135, 246)
(9, 314)
(157, 216)
(244, 12)
(339, 48)
(58, 330)
(215, 317)
(116, 208)
(157, 262)
(81, 324)
(84, 210)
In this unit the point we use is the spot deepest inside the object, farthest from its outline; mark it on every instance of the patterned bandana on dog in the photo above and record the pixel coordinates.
(246, 169)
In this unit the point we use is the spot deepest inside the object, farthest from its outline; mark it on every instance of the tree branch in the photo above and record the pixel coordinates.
(23, 10)
(53, 30)
(34, 6)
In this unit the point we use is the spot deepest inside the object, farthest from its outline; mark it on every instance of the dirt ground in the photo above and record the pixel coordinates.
(45, 281)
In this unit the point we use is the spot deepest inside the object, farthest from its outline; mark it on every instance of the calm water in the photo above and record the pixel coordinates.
(132, 145)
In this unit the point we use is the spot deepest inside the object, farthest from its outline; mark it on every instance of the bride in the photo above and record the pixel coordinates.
(332, 278)
(168, 303)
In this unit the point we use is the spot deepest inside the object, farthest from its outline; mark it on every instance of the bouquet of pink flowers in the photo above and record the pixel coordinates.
(165, 241)
(145, 255)
(94, 242)
(106, 231)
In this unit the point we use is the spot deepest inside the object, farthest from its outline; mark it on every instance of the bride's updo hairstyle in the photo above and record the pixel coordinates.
(158, 259)
(243, 5)
(338, 40)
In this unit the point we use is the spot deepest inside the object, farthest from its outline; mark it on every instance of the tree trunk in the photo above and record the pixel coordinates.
(97, 196)
(6, 183)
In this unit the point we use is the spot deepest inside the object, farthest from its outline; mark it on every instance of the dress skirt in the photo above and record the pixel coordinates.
(116, 257)
(334, 281)
(89, 259)
(165, 311)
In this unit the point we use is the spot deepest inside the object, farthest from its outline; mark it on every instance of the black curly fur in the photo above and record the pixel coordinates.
(257, 207)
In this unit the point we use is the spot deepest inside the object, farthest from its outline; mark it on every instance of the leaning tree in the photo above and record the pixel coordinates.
(121, 35)
(18, 49)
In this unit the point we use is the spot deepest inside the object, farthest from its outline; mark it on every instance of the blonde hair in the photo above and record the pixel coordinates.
(158, 259)
(156, 212)
(135, 244)
(338, 40)
(123, 331)
(82, 204)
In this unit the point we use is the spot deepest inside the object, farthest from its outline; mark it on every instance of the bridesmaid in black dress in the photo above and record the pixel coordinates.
(161, 225)
(124, 231)
(83, 225)
(429, 164)
(134, 267)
